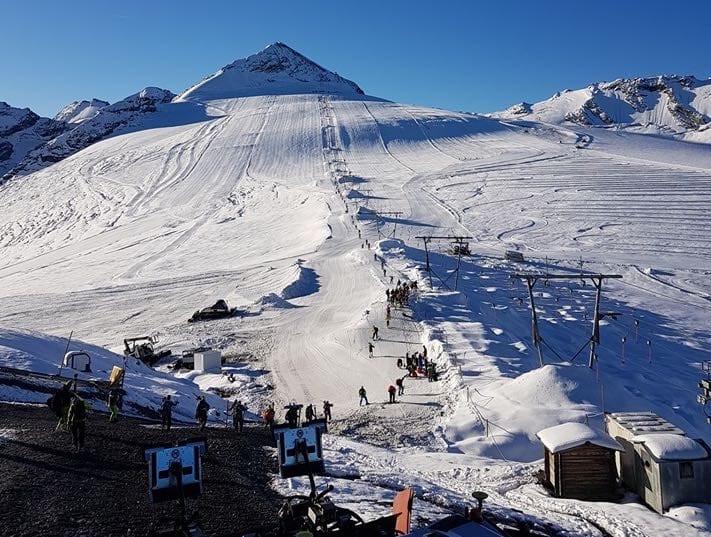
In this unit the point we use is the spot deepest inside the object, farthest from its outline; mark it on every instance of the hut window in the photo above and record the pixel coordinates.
(686, 470)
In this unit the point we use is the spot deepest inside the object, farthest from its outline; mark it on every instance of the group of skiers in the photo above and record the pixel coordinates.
(71, 409)
(401, 294)
(418, 364)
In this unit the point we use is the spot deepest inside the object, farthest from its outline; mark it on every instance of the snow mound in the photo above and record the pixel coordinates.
(548, 386)
(276, 70)
(275, 301)
(306, 283)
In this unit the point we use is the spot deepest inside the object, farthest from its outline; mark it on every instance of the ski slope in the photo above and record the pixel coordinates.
(255, 200)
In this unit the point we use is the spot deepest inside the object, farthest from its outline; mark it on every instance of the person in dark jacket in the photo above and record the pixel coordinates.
(166, 412)
(400, 383)
(60, 404)
(327, 410)
(76, 417)
(238, 410)
(201, 412)
(363, 396)
(309, 412)
(391, 391)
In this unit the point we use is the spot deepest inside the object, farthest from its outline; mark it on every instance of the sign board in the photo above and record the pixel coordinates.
(299, 450)
(175, 472)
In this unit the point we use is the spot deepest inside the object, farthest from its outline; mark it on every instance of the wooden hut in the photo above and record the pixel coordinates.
(580, 462)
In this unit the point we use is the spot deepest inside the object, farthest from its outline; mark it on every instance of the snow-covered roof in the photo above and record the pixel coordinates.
(644, 422)
(571, 435)
(671, 447)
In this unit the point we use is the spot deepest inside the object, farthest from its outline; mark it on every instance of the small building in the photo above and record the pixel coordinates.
(208, 361)
(659, 462)
(78, 360)
(580, 462)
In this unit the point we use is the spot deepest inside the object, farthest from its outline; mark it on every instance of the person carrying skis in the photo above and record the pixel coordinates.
(391, 391)
(76, 418)
(166, 412)
(201, 412)
(238, 410)
(327, 410)
(60, 404)
(114, 402)
(363, 396)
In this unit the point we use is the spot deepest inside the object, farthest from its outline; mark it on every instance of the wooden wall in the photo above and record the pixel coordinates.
(586, 472)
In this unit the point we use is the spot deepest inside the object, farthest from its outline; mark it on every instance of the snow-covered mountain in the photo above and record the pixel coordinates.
(79, 111)
(21, 130)
(258, 201)
(671, 105)
(83, 123)
(276, 70)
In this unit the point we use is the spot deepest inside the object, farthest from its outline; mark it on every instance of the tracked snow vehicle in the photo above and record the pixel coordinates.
(219, 310)
(142, 348)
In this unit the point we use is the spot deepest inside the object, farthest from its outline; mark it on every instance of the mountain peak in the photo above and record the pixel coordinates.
(278, 69)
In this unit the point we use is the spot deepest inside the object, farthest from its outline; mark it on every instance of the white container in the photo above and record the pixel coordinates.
(208, 361)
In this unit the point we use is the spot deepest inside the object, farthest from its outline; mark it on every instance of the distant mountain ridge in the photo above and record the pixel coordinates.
(678, 106)
(667, 105)
(30, 142)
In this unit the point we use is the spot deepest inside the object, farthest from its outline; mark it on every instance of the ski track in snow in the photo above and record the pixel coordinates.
(136, 232)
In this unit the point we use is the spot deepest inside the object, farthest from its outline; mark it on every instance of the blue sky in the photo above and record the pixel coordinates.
(461, 55)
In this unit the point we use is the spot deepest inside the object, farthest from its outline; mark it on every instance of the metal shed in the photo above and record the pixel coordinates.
(660, 463)
(78, 360)
(580, 462)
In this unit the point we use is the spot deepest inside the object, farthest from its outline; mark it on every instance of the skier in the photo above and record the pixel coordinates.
(399, 363)
(166, 412)
(375, 332)
(76, 418)
(387, 294)
(238, 410)
(391, 391)
(114, 402)
(201, 412)
(327, 410)
(370, 349)
(363, 396)
(424, 351)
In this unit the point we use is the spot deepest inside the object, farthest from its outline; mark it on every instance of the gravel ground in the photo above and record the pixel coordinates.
(47, 489)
